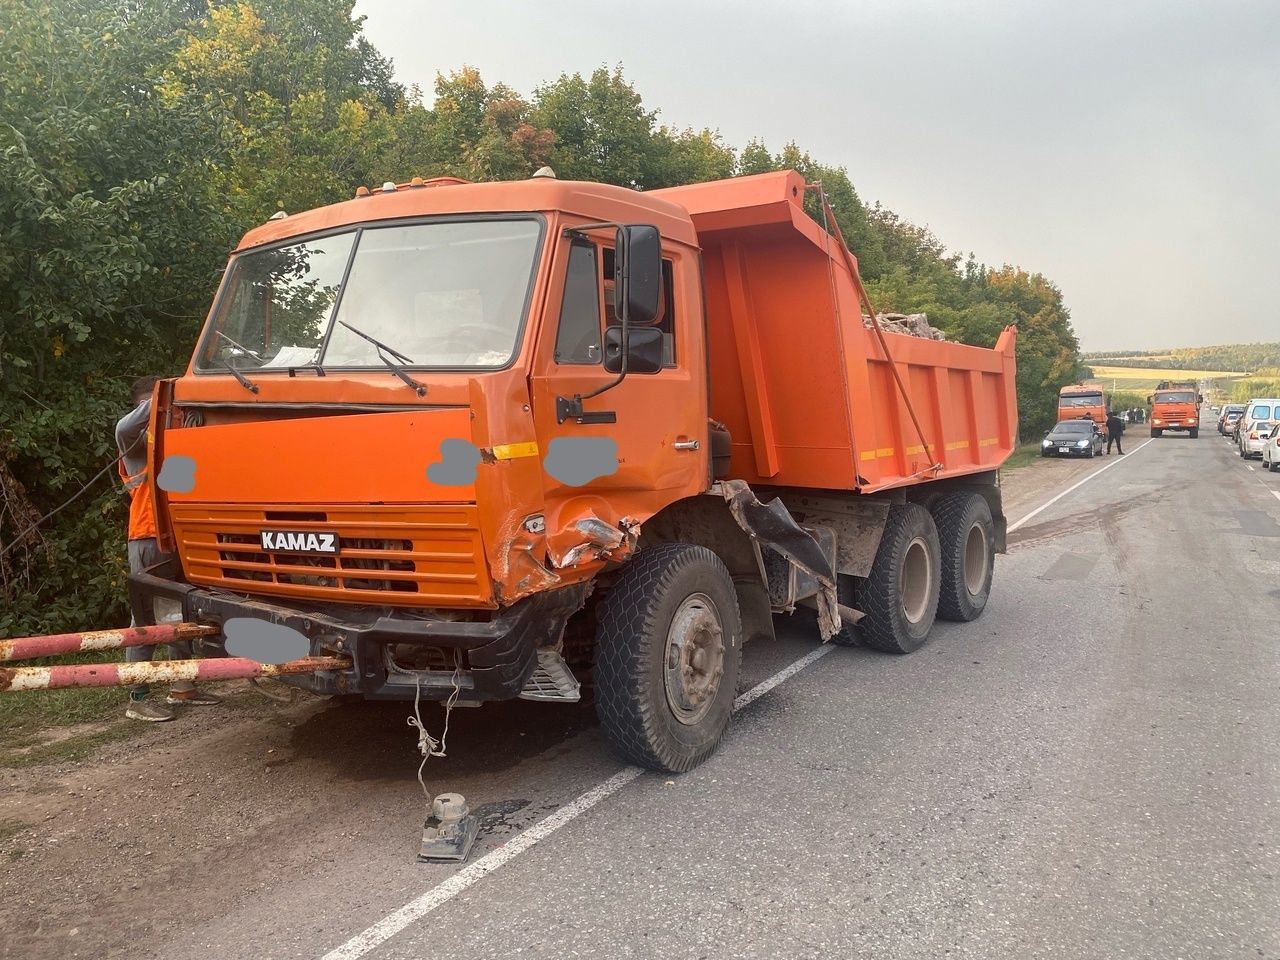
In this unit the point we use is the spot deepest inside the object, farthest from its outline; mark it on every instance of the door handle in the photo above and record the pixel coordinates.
(685, 445)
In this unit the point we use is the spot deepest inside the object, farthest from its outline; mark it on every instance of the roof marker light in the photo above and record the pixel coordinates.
(388, 187)
(362, 191)
(278, 215)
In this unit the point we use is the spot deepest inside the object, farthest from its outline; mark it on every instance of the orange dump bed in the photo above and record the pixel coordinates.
(804, 388)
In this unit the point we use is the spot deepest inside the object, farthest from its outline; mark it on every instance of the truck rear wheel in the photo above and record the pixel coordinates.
(966, 541)
(900, 597)
(668, 647)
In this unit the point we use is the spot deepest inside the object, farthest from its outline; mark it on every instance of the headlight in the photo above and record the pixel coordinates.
(166, 610)
(1082, 443)
(1046, 442)
(1157, 420)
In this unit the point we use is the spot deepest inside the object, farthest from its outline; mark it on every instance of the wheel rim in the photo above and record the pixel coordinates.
(975, 560)
(694, 661)
(917, 580)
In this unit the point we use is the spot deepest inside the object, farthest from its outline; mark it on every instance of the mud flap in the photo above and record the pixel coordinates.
(771, 525)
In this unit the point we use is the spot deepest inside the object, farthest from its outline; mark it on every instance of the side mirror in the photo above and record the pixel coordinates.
(1199, 398)
(1150, 398)
(643, 349)
(637, 286)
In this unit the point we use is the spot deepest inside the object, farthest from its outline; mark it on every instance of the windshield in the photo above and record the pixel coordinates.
(1177, 396)
(440, 294)
(1081, 400)
(1260, 411)
(1081, 427)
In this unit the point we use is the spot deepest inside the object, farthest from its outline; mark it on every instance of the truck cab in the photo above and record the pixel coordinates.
(1081, 401)
(1177, 409)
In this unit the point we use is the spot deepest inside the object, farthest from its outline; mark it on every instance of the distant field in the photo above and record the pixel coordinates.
(1155, 376)
(1145, 378)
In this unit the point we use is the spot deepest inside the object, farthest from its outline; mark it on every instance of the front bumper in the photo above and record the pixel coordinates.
(1071, 452)
(497, 655)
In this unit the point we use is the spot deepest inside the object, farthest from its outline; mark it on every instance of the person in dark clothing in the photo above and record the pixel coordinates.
(1115, 427)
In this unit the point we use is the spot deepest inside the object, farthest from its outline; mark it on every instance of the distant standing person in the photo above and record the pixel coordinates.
(131, 441)
(1115, 427)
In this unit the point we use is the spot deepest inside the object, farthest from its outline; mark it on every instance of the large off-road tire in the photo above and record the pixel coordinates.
(668, 647)
(967, 551)
(900, 597)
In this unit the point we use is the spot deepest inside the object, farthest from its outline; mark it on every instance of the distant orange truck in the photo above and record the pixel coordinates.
(481, 438)
(1176, 406)
(1077, 401)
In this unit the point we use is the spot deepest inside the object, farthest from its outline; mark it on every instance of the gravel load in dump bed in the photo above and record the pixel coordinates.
(912, 324)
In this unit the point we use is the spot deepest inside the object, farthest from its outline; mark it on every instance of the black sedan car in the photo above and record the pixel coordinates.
(1072, 438)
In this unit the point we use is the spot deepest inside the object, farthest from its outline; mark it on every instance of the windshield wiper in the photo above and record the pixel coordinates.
(244, 381)
(395, 367)
(239, 346)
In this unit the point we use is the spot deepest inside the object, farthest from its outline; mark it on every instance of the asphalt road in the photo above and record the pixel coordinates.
(1090, 770)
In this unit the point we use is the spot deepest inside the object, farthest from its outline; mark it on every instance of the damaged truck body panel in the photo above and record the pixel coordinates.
(497, 433)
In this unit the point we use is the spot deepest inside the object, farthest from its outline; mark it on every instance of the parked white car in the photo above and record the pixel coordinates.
(1255, 426)
(1271, 450)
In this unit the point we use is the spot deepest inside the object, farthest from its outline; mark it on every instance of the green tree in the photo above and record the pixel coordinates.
(112, 236)
(602, 130)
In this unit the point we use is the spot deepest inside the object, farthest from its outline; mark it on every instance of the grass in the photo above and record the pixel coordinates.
(24, 717)
(47, 726)
(40, 726)
(68, 749)
(1022, 456)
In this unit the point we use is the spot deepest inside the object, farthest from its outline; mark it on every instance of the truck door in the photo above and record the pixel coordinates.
(659, 434)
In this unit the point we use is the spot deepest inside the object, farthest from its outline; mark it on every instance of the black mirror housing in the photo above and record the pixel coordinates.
(643, 349)
(637, 286)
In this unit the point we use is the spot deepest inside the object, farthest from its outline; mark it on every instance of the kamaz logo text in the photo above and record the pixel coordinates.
(299, 541)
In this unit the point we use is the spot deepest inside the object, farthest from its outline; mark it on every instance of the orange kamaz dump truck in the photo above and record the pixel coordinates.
(480, 440)
(1077, 401)
(1175, 406)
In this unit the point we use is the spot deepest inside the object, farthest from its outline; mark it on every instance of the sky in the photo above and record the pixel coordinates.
(1129, 151)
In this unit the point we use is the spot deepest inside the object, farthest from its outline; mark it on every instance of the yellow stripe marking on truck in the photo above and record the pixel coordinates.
(877, 454)
(989, 442)
(512, 451)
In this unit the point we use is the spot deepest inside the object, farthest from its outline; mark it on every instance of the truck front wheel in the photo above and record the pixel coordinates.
(1195, 432)
(900, 597)
(1155, 432)
(668, 647)
(966, 539)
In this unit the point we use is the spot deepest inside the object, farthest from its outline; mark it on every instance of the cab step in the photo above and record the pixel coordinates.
(552, 680)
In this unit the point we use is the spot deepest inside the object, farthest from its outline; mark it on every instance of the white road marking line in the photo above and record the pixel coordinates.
(1249, 465)
(1045, 506)
(1276, 494)
(419, 907)
(786, 673)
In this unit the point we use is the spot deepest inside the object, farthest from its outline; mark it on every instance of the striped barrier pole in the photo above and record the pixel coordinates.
(13, 679)
(26, 648)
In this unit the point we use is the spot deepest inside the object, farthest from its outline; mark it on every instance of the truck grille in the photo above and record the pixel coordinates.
(420, 556)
